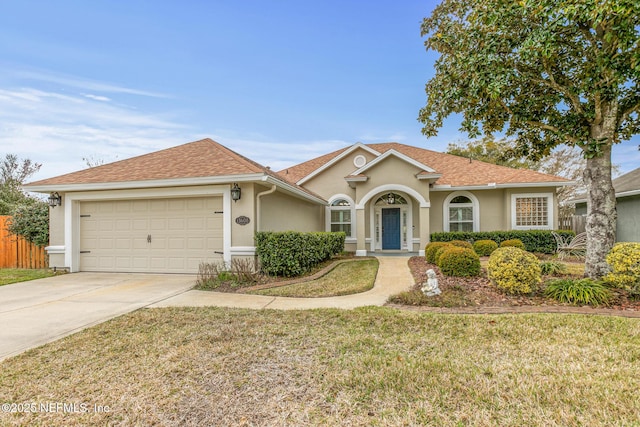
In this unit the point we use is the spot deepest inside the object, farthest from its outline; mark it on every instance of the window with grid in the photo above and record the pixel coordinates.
(341, 216)
(532, 211)
(460, 214)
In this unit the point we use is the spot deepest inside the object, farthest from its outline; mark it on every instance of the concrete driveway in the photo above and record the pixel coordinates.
(40, 311)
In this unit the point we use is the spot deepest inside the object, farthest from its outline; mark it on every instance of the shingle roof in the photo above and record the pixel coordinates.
(628, 182)
(203, 158)
(456, 171)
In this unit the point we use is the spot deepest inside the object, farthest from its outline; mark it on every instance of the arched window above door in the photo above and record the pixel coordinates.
(391, 199)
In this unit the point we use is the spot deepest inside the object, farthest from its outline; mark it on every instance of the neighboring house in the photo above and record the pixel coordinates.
(169, 210)
(627, 189)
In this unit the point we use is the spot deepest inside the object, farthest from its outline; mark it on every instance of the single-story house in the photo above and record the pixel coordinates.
(627, 188)
(169, 210)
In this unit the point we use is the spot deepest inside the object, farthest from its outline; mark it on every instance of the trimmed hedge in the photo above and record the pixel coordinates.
(292, 253)
(484, 247)
(458, 261)
(540, 241)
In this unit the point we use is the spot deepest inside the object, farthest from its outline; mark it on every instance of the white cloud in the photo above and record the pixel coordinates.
(58, 130)
(96, 97)
(82, 83)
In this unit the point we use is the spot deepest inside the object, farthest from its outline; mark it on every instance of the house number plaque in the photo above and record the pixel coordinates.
(243, 220)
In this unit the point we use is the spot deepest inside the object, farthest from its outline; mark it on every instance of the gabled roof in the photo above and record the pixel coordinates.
(628, 182)
(624, 186)
(455, 171)
(199, 162)
(203, 158)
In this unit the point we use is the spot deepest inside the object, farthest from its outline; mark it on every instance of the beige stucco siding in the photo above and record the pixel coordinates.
(280, 212)
(56, 235)
(242, 235)
(392, 171)
(495, 207)
(331, 181)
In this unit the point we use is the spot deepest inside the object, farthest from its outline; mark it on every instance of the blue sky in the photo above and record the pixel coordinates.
(277, 81)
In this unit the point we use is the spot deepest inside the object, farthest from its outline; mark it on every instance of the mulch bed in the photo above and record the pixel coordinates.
(478, 292)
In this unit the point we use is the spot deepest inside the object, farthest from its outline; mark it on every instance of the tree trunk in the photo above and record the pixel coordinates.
(601, 213)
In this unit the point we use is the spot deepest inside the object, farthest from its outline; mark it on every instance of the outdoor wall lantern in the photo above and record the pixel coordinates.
(236, 193)
(55, 199)
(391, 199)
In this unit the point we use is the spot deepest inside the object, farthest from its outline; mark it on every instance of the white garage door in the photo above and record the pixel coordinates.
(150, 236)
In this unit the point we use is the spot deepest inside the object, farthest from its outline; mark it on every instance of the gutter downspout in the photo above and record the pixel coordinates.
(258, 213)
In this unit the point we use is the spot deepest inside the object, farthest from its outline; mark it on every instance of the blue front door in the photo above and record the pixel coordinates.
(391, 228)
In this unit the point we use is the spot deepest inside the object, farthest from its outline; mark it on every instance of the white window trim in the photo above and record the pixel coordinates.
(550, 209)
(476, 209)
(352, 208)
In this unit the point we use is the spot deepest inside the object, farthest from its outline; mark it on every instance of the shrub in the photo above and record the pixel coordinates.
(430, 251)
(439, 253)
(579, 291)
(551, 268)
(514, 270)
(541, 241)
(292, 253)
(462, 262)
(484, 247)
(461, 244)
(515, 243)
(624, 260)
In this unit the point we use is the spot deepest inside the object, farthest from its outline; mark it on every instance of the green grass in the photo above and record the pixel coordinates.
(348, 278)
(15, 275)
(371, 366)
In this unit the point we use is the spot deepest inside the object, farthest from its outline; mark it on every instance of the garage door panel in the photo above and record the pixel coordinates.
(184, 233)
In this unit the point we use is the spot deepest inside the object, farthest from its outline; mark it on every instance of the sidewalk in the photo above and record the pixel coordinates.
(393, 277)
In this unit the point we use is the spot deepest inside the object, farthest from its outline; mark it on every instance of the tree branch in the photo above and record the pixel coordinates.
(625, 114)
(550, 128)
(553, 84)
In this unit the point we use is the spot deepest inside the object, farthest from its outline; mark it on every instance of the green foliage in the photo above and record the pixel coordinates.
(516, 243)
(541, 241)
(624, 260)
(545, 70)
(514, 270)
(578, 291)
(461, 244)
(439, 252)
(460, 262)
(552, 268)
(31, 220)
(430, 251)
(292, 253)
(492, 151)
(13, 173)
(484, 247)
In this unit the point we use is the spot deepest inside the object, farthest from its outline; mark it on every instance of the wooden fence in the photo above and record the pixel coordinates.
(15, 252)
(572, 222)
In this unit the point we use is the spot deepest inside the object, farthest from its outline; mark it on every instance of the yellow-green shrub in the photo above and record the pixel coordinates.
(485, 247)
(457, 261)
(513, 243)
(514, 271)
(624, 260)
(461, 244)
(430, 251)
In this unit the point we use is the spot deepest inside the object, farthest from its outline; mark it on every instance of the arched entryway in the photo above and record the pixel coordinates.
(402, 207)
(392, 222)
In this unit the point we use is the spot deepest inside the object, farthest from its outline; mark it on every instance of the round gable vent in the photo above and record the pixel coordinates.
(359, 161)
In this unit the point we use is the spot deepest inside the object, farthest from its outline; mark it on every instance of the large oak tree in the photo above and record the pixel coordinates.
(545, 72)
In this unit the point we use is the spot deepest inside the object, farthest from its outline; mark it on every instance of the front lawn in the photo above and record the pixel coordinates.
(15, 275)
(348, 278)
(370, 366)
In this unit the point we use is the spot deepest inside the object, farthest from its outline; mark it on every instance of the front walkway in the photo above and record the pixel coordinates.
(393, 277)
